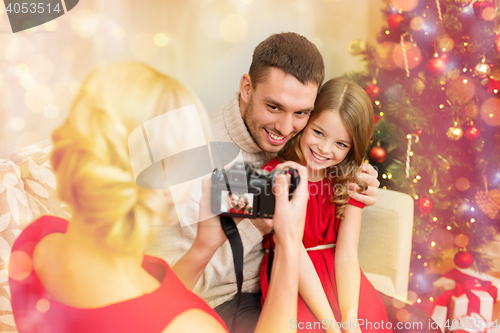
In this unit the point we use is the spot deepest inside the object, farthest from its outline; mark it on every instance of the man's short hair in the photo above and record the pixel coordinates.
(292, 53)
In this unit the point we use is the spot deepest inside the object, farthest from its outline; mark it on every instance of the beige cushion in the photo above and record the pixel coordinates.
(382, 283)
(39, 180)
(385, 240)
(14, 216)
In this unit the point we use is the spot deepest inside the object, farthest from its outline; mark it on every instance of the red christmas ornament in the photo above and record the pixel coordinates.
(436, 66)
(463, 259)
(395, 20)
(484, 9)
(376, 119)
(378, 154)
(425, 205)
(372, 91)
(472, 133)
(493, 85)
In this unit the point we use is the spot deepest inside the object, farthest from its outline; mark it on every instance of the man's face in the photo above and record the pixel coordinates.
(234, 200)
(277, 109)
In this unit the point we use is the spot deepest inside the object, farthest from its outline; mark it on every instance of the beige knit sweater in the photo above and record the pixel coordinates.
(218, 283)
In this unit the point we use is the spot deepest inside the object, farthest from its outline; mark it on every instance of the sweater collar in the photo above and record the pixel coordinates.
(236, 127)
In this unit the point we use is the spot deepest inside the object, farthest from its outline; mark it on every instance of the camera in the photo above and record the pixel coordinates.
(246, 191)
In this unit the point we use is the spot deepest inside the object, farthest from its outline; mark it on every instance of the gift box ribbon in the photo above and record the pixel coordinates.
(464, 285)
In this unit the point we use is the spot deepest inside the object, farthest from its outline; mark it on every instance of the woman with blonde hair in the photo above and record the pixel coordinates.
(90, 274)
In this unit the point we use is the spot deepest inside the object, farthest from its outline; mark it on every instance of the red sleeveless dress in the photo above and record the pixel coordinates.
(151, 312)
(321, 228)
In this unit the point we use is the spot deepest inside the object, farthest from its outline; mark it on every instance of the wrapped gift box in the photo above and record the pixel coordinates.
(460, 306)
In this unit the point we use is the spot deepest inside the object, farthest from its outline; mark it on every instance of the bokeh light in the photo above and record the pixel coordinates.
(50, 26)
(51, 111)
(17, 124)
(233, 28)
(489, 13)
(461, 240)
(41, 68)
(161, 39)
(43, 305)
(462, 184)
(18, 49)
(446, 44)
(490, 111)
(4, 95)
(20, 265)
(417, 23)
(21, 70)
(403, 315)
(38, 98)
(404, 5)
(27, 81)
(119, 33)
(85, 23)
(28, 138)
(412, 297)
(143, 47)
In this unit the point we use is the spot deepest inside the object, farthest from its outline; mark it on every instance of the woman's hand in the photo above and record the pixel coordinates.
(369, 175)
(289, 215)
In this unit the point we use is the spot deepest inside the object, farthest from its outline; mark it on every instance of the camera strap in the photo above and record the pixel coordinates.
(234, 238)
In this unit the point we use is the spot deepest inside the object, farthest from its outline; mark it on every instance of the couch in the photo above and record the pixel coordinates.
(28, 190)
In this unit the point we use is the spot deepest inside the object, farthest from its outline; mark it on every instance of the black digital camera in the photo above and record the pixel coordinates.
(246, 191)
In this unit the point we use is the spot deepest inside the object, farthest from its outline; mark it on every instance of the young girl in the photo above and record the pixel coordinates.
(332, 146)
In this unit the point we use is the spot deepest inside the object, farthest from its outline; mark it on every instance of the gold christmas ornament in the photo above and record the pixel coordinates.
(384, 55)
(454, 132)
(471, 110)
(460, 90)
(482, 70)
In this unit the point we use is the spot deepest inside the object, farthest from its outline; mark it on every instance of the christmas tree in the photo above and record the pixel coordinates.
(434, 78)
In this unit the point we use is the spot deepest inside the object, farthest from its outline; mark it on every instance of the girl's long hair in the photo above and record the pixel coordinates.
(356, 113)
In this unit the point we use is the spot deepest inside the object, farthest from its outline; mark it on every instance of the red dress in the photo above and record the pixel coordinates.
(151, 312)
(321, 228)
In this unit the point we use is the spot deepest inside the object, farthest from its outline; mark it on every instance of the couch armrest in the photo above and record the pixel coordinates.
(386, 238)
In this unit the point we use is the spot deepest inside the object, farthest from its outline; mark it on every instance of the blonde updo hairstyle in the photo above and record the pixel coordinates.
(91, 156)
(356, 113)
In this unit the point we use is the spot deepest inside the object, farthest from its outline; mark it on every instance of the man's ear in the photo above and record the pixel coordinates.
(245, 88)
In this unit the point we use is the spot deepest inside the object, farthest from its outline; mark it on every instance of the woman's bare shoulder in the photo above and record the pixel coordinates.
(194, 320)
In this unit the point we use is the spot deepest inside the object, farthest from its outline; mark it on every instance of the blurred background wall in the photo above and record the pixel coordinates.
(206, 44)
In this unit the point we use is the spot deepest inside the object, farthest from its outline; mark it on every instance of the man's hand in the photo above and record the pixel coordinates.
(264, 225)
(369, 175)
(210, 235)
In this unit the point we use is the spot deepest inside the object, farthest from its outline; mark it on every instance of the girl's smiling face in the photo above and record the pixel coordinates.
(324, 143)
(241, 203)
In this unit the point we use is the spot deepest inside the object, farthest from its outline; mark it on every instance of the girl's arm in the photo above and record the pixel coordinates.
(347, 271)
(313, 294)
